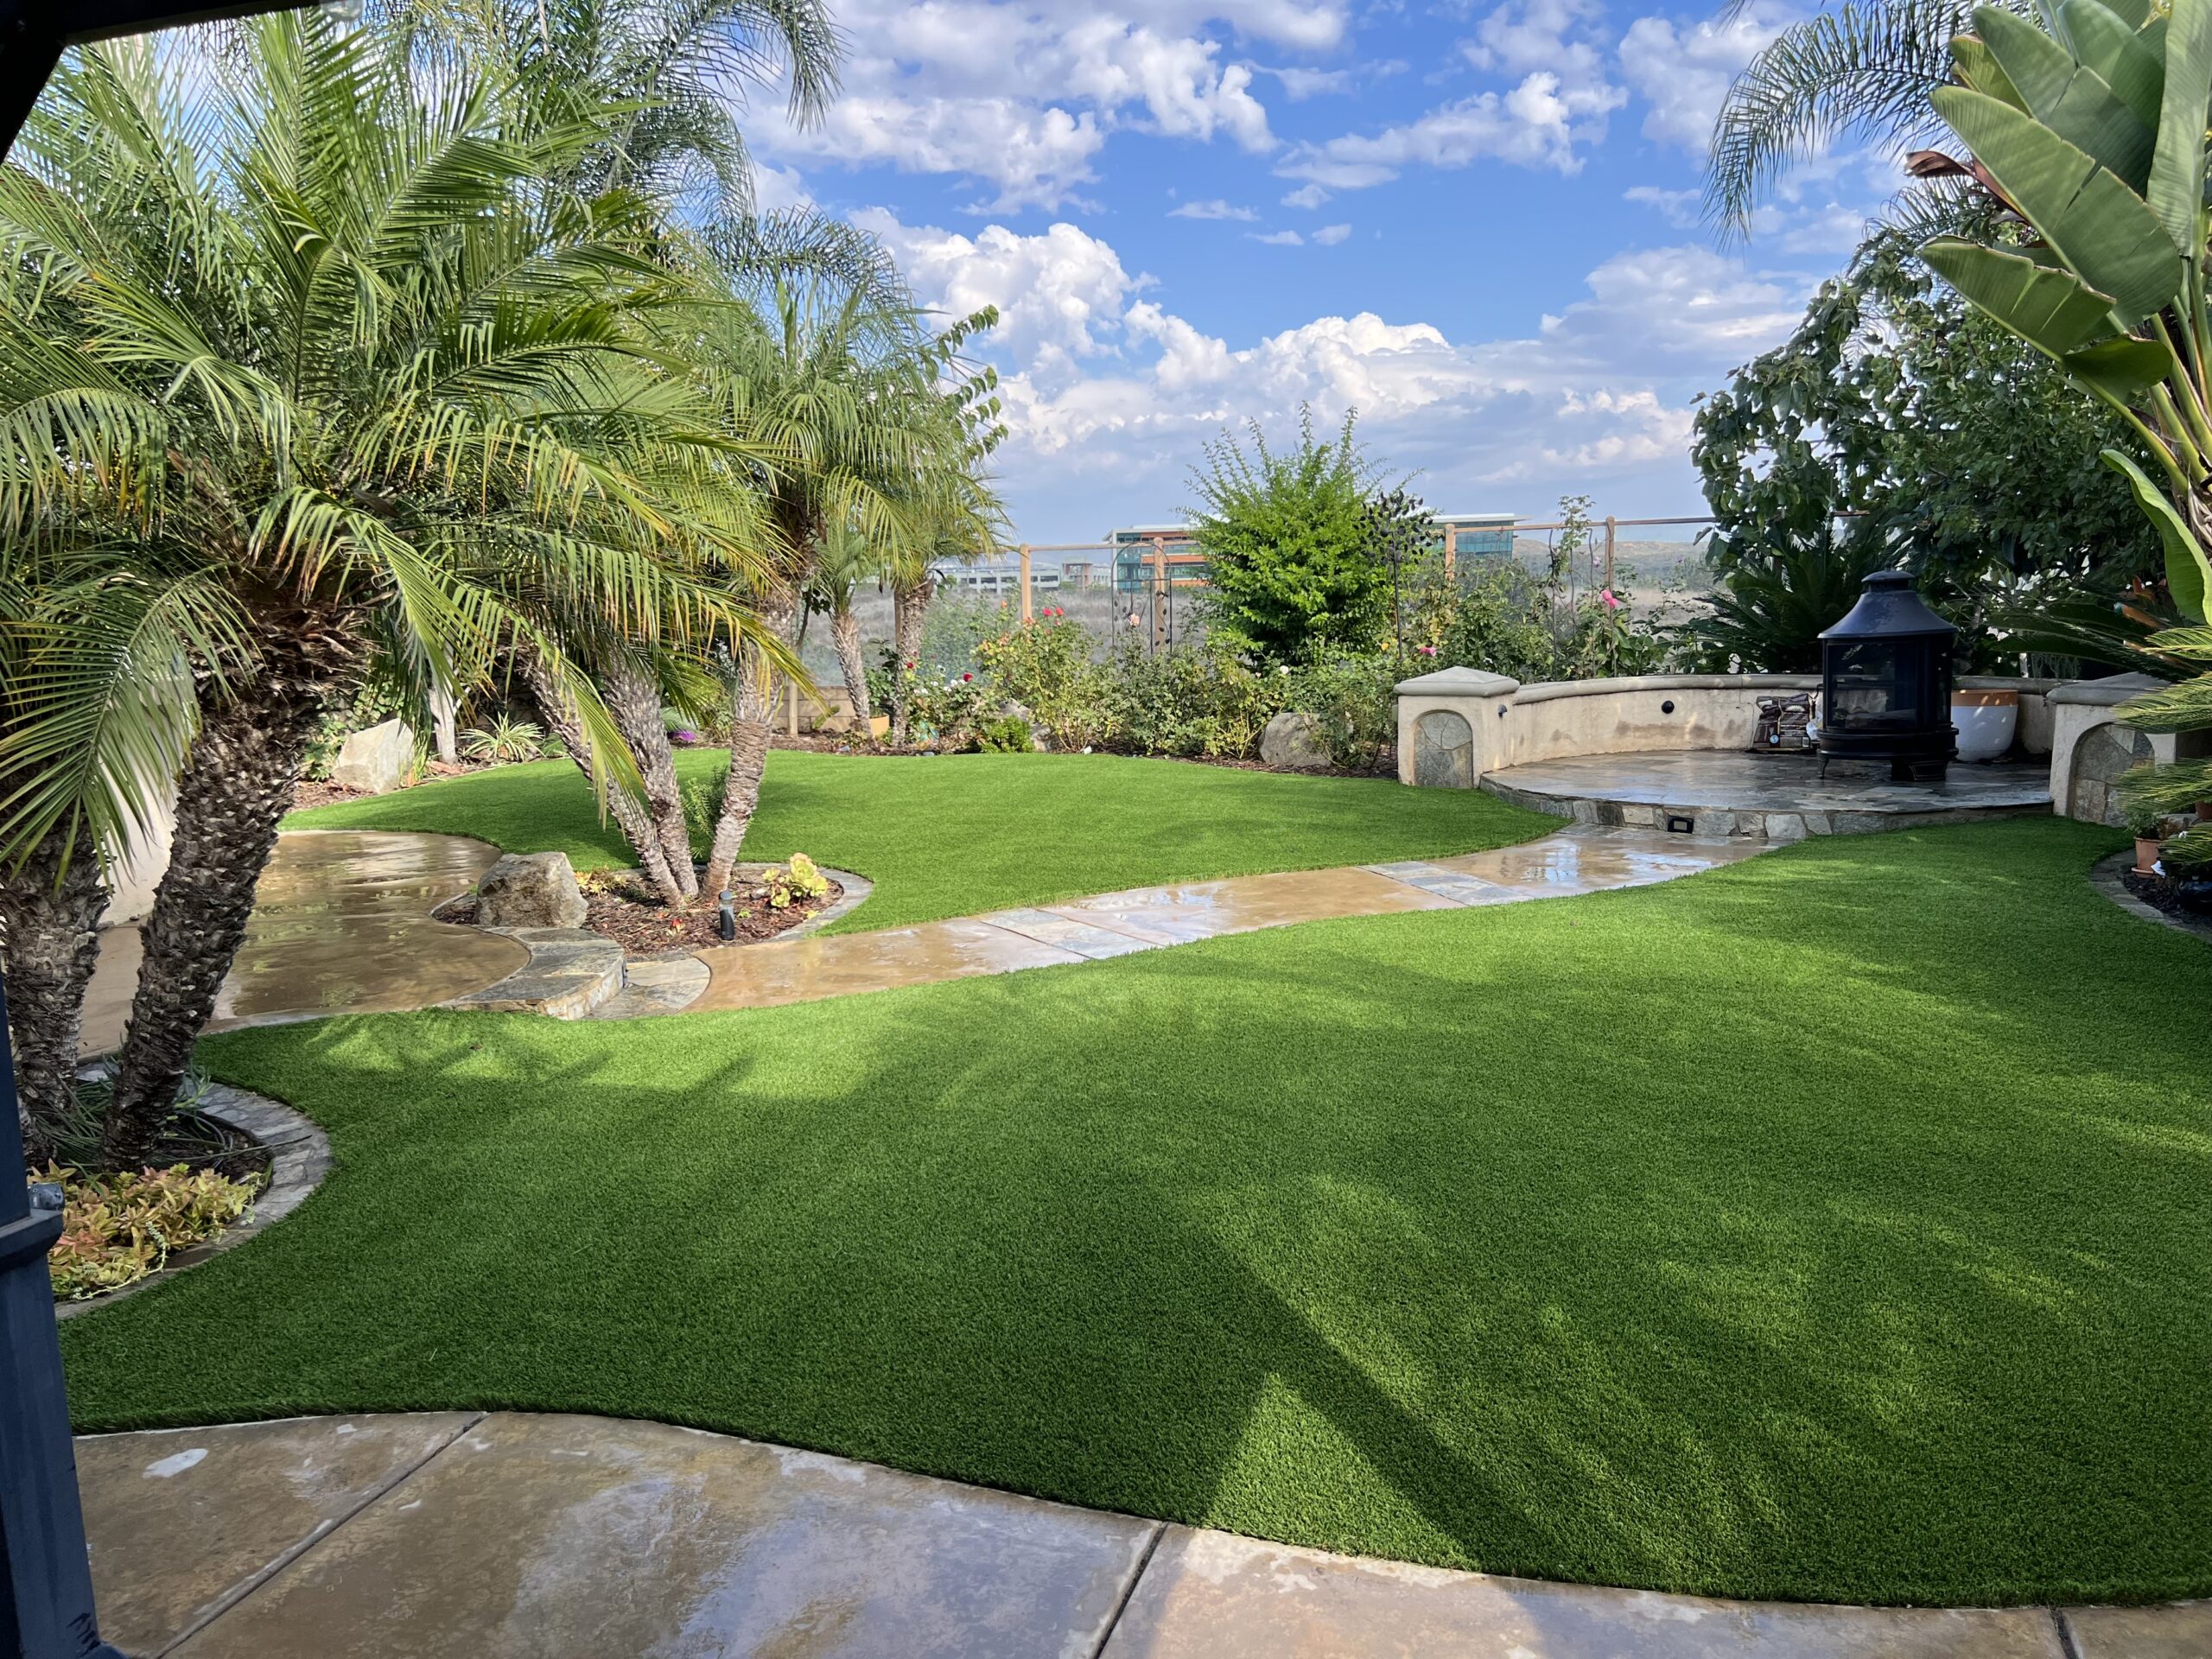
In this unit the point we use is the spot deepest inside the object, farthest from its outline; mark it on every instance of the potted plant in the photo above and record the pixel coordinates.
(2145, 822)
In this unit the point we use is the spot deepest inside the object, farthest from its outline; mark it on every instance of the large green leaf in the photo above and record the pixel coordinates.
(2071, 98)
(2118, 56)
(1976, 66)
(2051, 310)
(2123, 367)
(2176, 189)
(2103, 230)
(2188, 574)
(2134, 13)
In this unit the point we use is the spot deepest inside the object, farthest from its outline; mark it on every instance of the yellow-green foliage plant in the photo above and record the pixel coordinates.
(117, 1229)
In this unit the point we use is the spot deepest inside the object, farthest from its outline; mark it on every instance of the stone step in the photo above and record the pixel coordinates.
(571, 971)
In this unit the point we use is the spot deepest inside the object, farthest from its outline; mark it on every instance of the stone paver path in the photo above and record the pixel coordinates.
(515, 1536)
(1584, 858)
(341, 924)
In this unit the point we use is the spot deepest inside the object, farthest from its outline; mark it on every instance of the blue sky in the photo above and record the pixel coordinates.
(1474, 223)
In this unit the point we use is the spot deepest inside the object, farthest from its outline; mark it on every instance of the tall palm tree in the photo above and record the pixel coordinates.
(1861, 71)
(675, 72)
(328, 339)
(847, 564)
(867, 418)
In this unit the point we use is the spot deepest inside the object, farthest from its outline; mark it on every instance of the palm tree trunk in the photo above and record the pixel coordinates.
(638, 828)
(752, 717)
(237, 785)
(845, 639)
(634, 700)
(50, 908)
(910, 608)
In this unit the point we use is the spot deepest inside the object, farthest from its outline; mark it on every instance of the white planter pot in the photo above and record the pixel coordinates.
(1986, 721)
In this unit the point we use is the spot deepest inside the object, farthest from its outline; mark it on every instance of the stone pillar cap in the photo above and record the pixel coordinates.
(1458, 683)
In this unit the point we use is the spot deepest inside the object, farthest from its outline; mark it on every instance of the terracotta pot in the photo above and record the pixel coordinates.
(2146, 854)
(2204, 812)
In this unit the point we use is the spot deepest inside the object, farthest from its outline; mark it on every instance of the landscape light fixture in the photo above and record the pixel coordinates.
(45, 1580)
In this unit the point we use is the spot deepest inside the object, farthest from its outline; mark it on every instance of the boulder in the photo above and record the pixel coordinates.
(1292, 741)
(376, 761)
(531, 890)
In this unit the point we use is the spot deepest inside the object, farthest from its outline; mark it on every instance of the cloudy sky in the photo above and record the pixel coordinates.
(1477, 224)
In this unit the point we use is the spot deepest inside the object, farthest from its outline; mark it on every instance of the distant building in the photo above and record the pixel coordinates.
(1471, 536)
(998, 576)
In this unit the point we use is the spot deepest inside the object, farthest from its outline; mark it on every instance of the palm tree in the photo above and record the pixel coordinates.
(674, 73)
(867, 420)
(948, 535)
(847, 563)
(317, 332)
(1862, 71)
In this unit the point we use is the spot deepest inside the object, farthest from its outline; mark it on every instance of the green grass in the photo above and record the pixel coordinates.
(957, 835)
(1835, 1225)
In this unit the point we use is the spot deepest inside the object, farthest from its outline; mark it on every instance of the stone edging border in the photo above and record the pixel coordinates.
(299, 1158)
(2105, 876)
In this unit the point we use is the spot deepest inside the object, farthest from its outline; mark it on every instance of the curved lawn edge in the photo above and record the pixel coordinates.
(951, 835)
(1900, 1304)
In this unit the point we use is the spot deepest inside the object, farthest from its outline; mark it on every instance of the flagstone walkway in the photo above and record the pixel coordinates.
(464, 1535)
(1581, 859)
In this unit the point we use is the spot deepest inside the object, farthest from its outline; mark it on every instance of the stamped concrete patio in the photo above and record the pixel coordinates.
(518, 1536)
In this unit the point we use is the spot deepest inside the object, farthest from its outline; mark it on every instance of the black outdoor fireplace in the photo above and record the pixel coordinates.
(1886, 684)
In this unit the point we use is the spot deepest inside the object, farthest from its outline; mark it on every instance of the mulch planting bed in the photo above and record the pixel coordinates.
(625, 909)
(2156, 892)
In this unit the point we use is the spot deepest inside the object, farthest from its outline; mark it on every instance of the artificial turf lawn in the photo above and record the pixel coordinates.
(1835, 1225)
(957, 835)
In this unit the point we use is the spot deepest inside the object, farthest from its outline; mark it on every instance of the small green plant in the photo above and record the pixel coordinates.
(1010, 735)
(2146, 820)
(115, 1228)
(504, 740)
(793, 882)
(2189, 853)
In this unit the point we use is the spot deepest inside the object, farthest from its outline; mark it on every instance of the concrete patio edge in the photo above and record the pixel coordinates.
(409, 1515)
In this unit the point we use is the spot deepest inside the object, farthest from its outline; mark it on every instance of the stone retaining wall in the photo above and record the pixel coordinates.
(1459, 724)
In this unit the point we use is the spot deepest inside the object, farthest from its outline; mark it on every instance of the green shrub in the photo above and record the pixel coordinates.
(1202, 701)
(1354, 702)
(1045, 666)
(1290, 556)
(504, 740)
(117, 1229)
(2189, 853)
(788, 884)
(949, 711)
(1010, 735)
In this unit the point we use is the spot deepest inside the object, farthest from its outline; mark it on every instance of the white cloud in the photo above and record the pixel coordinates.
(1556, 37)
(775, 187)
(1215, 209)
(1328, 235)
(1684, 73)
(1278, 239)
(1102, 381)
(1539, 123)
(929, 87)
(1056, 293)
(1677, 207)
(1307, 196)
(1036, 157)
(1298, 84)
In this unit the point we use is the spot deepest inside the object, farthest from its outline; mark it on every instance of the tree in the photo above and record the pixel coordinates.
(1971, 453)
(1290, 565)
(847, 563)
(864, 418)
(319, 332)
(1861, 71)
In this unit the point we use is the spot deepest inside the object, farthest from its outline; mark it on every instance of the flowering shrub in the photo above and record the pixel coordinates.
(1045, 666)
(1354, 703)
(949, 711)
(117, 1229)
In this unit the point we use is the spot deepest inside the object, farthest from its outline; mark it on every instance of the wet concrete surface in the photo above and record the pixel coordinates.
(514, 1536)
(1585, 859)
(341, 924)
(1212, 1595)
